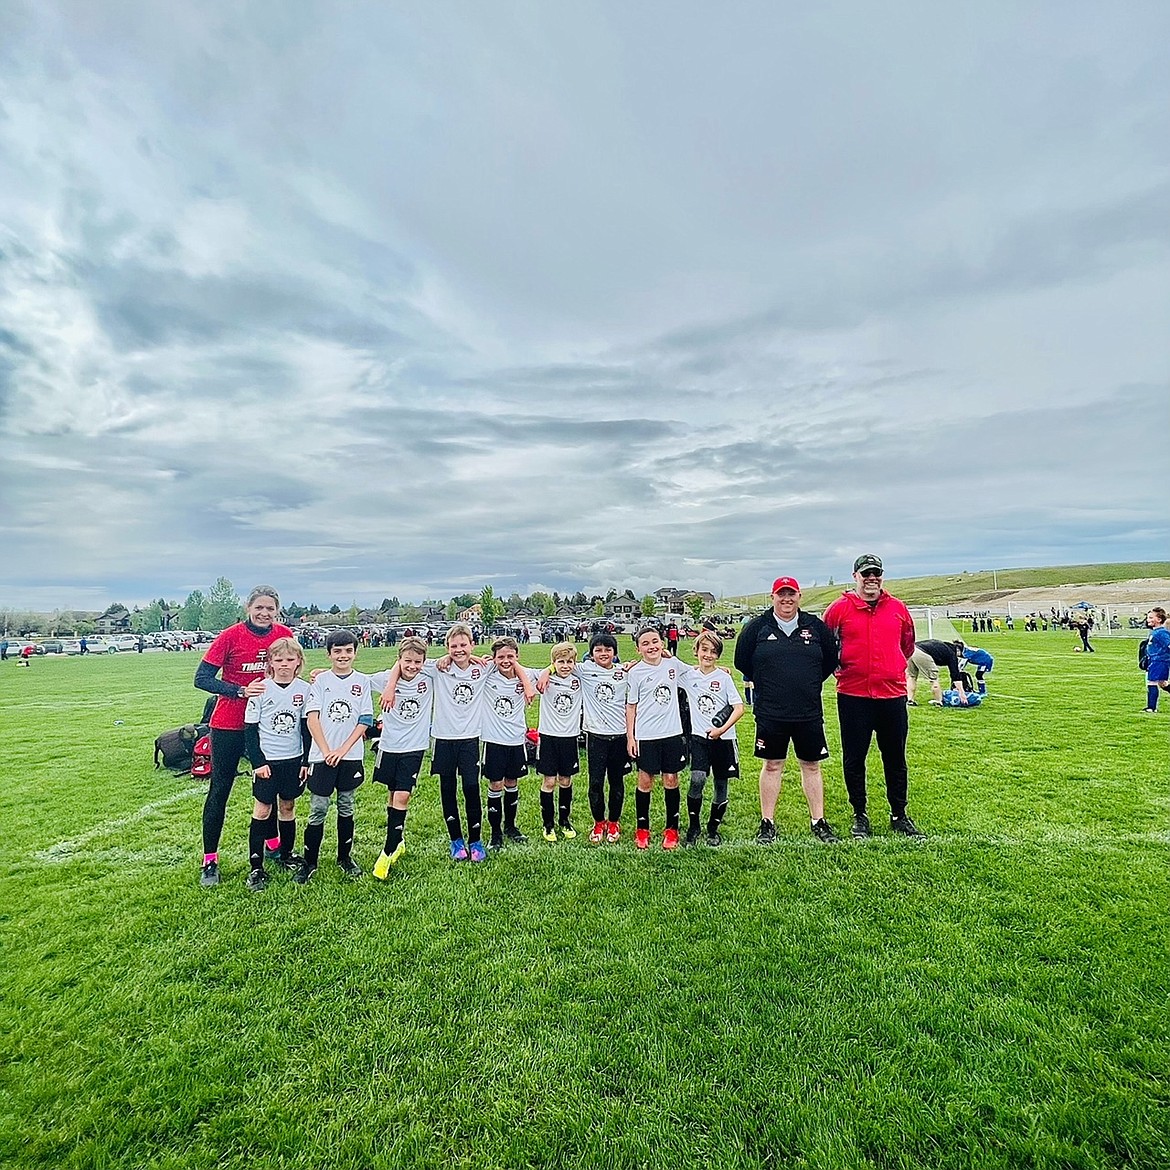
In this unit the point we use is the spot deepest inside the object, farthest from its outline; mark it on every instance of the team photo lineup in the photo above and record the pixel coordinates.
(646, 719)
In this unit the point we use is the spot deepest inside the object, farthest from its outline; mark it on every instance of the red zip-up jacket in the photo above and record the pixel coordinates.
(875, 643)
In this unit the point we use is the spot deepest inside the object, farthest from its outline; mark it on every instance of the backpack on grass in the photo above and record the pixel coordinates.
(201, 757)
(175, 749)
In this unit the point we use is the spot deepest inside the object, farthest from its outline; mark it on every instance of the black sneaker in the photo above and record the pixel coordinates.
(209, 874)
(713, 838)
(496, 842)
(257, 880)
(349, 867)
(304, 872)
(823, 831)
(292, 862)
(514, 835)
(692, 837)
(861, 829)
(906, 827)
(767, 833)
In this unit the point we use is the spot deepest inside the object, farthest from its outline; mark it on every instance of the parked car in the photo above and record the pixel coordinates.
(100, 644)
(51, 646)
(124, 641)
(71, 646)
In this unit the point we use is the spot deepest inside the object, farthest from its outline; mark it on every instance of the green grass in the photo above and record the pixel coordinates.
(995, 997)
(948, 588)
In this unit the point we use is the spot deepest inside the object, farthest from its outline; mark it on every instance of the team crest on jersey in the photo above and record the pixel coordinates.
(339, 711)
(422, 686)
(475, 672)
(707, 704)
(262, 655)
(504, 707)
(662, 694)
(409, 709)
(284, 722)
(806, 635)
(519, 687)
(618, 675)
(562, 704)
(574, 684)
(356, 689)
(298, 700)
(463, 694)
(605, 692)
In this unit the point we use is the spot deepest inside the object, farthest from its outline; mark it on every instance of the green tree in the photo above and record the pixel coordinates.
(335, 609)
(191, 615)
(610, 595)
(599, 609)
(223, 607)
(388, 604)
(351, 614)
(453, 608)
(549, 605)
(695, 607)
(411, 614)
(148, 620)
(648, 605)
(489, 607)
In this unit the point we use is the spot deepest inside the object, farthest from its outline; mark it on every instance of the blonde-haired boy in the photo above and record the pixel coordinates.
(276, 739)
(406, 733)
(559, 724)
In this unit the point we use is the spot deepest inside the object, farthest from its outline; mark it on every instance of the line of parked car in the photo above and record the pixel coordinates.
(106, 643)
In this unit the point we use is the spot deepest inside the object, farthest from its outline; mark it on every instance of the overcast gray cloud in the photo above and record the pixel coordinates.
(375, 299)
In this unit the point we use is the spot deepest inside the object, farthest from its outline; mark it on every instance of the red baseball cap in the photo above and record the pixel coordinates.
(785, 583)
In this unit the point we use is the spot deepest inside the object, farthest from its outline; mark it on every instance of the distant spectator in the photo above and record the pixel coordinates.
(1157, 657)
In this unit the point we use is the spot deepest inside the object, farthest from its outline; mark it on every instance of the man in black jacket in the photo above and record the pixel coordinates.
(786, 654)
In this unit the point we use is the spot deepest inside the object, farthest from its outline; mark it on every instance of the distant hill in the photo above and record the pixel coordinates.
(987, 588)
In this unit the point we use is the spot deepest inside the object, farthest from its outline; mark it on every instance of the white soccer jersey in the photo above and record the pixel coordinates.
(560, 706)
(406, 728)
(603, 695)
(458, 700)
(706, 694)
(654, 691)
(503, 719)
(277, 714)
(340, 702)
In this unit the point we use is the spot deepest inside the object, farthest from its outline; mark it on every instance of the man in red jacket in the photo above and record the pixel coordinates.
(876, 635)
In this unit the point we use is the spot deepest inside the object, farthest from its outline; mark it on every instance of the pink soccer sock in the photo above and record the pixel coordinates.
(210, 857)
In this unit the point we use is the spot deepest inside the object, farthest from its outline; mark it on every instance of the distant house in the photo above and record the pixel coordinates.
(623, 608)
(116, 620)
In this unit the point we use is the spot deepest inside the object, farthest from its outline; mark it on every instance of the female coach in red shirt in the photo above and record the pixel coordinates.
(240, 654)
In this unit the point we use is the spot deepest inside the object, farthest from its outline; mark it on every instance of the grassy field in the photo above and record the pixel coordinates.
(946, 589)
(994, 997)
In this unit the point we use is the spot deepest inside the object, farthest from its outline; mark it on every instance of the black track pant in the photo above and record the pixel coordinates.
(227, 749)
(862, 719)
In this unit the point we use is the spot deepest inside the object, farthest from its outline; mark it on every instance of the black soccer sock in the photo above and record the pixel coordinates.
(313, 835)
(495, 812)
(642, 808)
(256, 834)
(671, 797)
(694, 812)
(617, 798)
(396, 830)
(271, 832)
(288, 837)
(597, 797)
(565, 801)
(511, 804)
(449, 797)
(474, 803)
(344, 837)
(718, 812)
(546, 809)
(389, 847)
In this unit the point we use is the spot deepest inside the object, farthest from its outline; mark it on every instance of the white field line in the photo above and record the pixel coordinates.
(66, 850)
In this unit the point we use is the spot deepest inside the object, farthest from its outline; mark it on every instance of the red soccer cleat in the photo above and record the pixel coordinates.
(642, 838)
(670, 839)
(598, 834)
(615, 833)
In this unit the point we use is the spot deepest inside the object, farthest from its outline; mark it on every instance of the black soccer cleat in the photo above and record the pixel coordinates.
(767, 833)
(304, 872)
(823, 831)
(906, 827)
(861, 827)
(209, 874)
(257, 880)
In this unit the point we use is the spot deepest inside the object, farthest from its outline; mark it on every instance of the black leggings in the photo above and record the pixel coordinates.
(227, 749)
(607, 759)
(860, 720)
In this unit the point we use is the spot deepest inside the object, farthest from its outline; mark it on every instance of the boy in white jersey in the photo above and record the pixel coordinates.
(338, 711)
(508, 691)
(654, 732)
(459, 689)
(406, 733)
(276, 739)
(710, 693)
(559, 725)
(603, 699)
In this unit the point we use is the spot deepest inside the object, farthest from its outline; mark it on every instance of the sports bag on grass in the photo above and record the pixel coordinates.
(201, 757)
(174, 749)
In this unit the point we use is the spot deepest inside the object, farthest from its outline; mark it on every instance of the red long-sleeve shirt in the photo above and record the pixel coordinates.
(876, 640)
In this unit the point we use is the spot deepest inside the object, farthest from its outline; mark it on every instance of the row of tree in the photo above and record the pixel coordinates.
(220, 606)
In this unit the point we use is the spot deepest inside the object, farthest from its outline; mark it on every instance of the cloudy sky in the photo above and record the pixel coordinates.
(374, 299)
